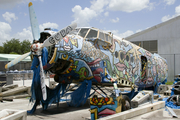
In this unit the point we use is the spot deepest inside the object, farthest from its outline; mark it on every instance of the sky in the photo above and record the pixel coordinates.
(122, 17)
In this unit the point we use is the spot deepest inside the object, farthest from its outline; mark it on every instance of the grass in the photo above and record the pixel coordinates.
(169, 83)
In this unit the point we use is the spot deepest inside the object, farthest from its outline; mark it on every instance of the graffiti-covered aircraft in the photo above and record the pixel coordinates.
(94, 54)
(88, 56)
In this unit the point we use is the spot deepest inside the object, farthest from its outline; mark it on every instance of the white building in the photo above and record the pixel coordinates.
(163, 39)
(6, 58)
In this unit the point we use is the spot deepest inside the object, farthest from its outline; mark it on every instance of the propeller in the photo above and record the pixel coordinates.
(34, 22)
(36, 48)
(16, 60)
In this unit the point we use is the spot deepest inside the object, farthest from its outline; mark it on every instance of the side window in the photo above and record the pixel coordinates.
(92, 34)
(108, 38)
(83, 32)
(101, 35)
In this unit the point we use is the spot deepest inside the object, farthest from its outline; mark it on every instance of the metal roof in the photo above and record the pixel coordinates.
(9, 57)
(153, 27)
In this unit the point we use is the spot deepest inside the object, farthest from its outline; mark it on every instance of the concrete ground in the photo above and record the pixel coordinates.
(64, 112)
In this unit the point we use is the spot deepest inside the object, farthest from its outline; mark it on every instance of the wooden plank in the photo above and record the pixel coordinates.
(16, 96)
(135, 112)
(14, 91)
(8, 87)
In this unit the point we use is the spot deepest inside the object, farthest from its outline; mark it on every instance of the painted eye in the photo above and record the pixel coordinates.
(116, 54)
(127, 57)
(132, 59)
(121, 55)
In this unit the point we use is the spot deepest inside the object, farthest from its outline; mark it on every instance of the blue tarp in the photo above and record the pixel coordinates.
(170, 104)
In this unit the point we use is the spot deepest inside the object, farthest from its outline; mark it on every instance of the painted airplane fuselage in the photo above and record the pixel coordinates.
(100, 57)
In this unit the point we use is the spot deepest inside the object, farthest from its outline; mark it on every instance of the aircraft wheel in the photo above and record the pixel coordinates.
(126, 103)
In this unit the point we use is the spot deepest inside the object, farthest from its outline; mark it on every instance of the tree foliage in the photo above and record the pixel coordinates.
(1, 49)
(25, 46)
(14, 46)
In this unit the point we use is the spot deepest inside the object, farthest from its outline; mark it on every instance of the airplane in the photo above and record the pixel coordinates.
(91, 59)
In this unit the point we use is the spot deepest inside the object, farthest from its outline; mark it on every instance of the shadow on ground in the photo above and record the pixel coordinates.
(58, 109)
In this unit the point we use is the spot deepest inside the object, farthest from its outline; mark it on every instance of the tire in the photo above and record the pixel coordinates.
(126, 104)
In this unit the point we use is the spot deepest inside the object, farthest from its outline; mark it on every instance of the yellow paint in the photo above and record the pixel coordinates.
(6, 66)
(119, 104)
(30, 4)
(110, 101)
(67, 71)
(91, 101)
(64, 58)
(53, 57)
(95, 112)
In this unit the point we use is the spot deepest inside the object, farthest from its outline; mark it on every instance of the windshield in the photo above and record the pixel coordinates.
(75, 31)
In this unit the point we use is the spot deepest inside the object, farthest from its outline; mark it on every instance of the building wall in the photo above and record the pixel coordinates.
(20, 66)
(168, 36)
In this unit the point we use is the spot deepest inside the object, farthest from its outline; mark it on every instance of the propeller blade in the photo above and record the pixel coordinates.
(59, 35)
(18, 59)
(43, 85)
(34, 22)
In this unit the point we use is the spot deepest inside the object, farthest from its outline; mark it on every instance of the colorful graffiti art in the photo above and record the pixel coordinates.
(91, 54)
(103, 106)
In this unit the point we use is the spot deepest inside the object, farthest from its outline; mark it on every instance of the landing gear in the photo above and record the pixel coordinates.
(126, 103)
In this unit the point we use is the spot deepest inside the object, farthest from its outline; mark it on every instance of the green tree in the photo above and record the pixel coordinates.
(25, 46)
(12, 53)
(1, 49)
(14, 46)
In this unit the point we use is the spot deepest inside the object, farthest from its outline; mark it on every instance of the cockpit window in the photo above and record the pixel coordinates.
(92, 34)
(83, 32)
(75, 31)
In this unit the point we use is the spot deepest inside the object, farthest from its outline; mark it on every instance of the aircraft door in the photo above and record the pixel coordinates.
(144, 67)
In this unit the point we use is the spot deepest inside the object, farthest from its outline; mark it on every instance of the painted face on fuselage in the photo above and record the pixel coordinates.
(66, 44)
(122, 59)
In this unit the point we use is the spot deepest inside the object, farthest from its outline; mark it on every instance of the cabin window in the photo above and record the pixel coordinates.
(104, 63)
(83, 32)
(106, 36)
(92, 34)
(101, 35)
